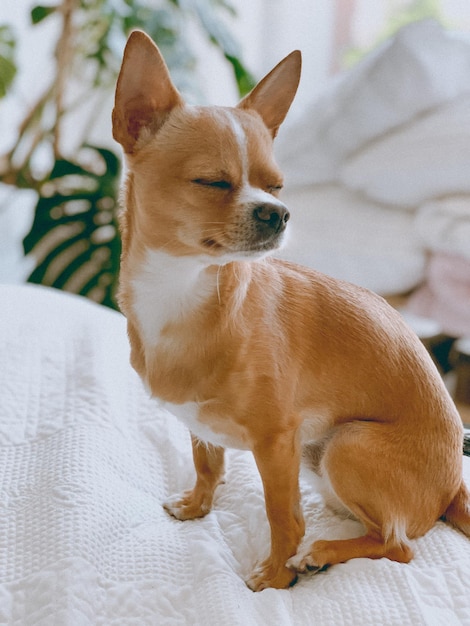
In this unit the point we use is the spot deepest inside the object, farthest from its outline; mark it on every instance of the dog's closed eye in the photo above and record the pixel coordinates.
(216, 184)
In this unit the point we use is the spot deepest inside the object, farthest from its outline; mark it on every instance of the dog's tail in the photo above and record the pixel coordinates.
(458, 512)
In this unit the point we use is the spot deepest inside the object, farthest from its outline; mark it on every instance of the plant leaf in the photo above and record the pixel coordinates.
(220, 36)
(74, 237)
(245, 80)
(7, 59)
(7, 74)
(39, 13)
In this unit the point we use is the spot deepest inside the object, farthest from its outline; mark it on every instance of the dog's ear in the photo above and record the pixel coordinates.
(144, 92)
(273, 95)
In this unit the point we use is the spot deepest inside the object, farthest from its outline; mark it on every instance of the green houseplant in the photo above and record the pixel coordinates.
(74, 238)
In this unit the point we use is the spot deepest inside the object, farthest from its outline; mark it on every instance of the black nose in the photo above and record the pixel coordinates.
(272, 215)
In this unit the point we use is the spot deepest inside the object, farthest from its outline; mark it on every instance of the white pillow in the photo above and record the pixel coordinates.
(421, 68)
(427, 158)
(337, 232)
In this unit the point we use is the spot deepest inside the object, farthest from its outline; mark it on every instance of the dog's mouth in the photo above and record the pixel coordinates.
(212, 244)
(252, 246)
(261, 233)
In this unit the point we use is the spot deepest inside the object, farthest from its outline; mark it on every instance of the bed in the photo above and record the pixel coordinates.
(87, 458)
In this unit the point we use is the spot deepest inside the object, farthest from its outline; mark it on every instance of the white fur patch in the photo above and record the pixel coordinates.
(167, 288)
(315, 425)
(240, 137)
(188, 413)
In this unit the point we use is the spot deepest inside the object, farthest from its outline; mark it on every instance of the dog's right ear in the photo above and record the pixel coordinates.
(273, 95)
(144, 92)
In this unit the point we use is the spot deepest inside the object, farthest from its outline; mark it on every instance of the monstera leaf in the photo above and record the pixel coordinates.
(74, 238)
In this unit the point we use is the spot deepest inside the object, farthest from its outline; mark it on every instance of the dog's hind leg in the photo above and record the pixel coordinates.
(357, 463)
(340, 550)
(209, 465)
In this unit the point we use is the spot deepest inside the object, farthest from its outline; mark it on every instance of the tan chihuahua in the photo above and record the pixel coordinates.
(260, 354)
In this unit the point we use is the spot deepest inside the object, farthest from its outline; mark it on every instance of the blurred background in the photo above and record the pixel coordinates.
(376, 148)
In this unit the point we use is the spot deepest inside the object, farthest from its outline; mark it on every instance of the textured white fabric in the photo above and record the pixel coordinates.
(86, 460)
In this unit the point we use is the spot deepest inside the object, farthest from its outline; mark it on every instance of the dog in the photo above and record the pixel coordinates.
(261, 354)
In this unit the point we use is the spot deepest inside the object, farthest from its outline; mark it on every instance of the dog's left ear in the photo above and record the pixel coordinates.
(273, 95)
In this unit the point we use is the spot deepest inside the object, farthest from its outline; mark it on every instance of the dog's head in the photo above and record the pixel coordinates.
(202, 180)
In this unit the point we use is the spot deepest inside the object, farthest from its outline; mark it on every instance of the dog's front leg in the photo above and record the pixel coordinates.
(278, 461)
(209, 465)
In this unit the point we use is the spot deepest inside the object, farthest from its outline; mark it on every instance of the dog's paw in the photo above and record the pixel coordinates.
(185, 506)
(303, 562)
(265, 576)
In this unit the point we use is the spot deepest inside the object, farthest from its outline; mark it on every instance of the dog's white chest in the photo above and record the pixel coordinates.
(165, 289)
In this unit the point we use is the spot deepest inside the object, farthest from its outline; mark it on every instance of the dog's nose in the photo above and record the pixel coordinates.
(273, 215)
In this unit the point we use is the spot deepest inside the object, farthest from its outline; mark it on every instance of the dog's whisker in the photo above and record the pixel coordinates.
(213, 231)
(218, 285)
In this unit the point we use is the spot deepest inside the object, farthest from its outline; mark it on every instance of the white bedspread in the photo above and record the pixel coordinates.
(86, 460)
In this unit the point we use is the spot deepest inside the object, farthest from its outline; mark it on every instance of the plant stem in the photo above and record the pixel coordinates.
(64, 58)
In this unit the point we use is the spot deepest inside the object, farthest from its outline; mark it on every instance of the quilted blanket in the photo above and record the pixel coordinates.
(86, 459)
